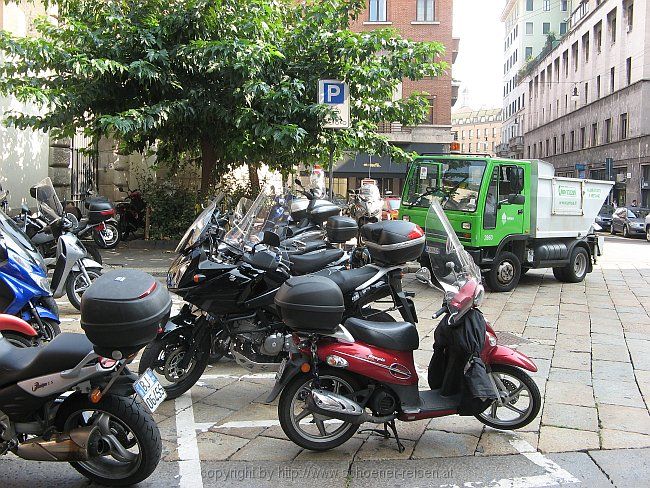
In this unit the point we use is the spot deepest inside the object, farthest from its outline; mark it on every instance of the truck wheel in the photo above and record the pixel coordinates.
(505, 272)
(559, 274)
(578, 265)
(647, 233)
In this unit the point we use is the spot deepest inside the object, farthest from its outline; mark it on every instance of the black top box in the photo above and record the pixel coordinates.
(100, 210)
(310, 304)
(393, 242)
(341, 229)
(321, 213)
(122, 310)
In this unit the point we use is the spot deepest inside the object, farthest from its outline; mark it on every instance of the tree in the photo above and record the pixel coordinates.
(221, 82)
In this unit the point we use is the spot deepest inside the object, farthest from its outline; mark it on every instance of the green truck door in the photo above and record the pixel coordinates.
(501, 218)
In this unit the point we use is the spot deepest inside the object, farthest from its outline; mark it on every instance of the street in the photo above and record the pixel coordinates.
(589, 341)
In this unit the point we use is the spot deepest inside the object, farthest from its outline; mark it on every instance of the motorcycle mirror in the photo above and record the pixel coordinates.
(298, 182)
(24, 209)
(271, 239)
(32, 191)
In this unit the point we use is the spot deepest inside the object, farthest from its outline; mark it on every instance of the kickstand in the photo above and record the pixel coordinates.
(386, 434)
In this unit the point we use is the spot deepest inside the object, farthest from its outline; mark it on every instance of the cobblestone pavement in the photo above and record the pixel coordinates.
(589, 340)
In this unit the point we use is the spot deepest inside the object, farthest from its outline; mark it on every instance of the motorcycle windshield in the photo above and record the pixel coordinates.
(194, 235)
(450, 262)
(49, 204)
(269, 212)
(16, 240)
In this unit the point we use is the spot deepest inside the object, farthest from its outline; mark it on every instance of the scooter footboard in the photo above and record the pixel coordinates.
(510, 357)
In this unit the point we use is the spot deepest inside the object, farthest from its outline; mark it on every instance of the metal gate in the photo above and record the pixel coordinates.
(83, 176)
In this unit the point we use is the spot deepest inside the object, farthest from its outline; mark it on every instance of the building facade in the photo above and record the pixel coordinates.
(530, 25)
(589, 98)
(417, 20)
(477, 131)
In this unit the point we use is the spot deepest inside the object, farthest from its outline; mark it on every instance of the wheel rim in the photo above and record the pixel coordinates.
(80, 285)
(124, 452)
(580, 265)
(109, 234)
(171, 370)
(314, 427)
(517, 405)
(505, 272)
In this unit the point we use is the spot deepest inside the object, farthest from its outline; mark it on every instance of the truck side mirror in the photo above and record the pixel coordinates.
(517, 180)
(516, 199)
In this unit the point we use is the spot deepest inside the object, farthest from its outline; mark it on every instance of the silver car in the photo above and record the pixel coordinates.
(630, 221)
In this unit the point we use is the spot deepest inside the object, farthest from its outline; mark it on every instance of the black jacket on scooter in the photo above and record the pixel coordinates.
(456, 365)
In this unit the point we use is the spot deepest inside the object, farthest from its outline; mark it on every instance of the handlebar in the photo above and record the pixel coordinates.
(440, 312)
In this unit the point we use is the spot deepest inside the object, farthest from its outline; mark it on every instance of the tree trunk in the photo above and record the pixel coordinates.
(253, 178)
(208, 165)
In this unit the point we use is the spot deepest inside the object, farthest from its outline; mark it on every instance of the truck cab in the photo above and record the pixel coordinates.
(497, 211)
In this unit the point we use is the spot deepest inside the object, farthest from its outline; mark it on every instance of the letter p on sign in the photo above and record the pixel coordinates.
(334, 93)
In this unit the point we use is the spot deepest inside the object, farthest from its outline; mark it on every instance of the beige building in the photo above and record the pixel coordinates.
(477, 131)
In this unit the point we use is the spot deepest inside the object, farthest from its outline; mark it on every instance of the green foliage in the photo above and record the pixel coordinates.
(233, 81)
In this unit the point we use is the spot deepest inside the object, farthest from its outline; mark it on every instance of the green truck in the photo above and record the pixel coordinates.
(511, 215)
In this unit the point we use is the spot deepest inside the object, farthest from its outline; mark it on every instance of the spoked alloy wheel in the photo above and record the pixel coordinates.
(110, 236)
(130, 445)
(309, 430)
(77, 284)
(521, 403)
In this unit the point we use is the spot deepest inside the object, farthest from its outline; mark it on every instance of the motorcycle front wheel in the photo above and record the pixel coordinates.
(164, 355)
(76, 285)
(110, 236)
(130, 440)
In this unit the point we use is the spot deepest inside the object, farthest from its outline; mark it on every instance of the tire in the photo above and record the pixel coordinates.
(504, 273)
(286, 405)
(559, 274)
(93, 252)
(626, 232)
(647, 233)
(535, 399)
(114, 236)
(52, 327)
(72, 282)
(18, 340)
(578, 266)
(128, 417)
(155, 356)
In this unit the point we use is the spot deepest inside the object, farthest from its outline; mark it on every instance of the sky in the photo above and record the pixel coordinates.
(479, 66)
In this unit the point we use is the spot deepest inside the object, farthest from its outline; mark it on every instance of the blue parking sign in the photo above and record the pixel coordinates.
(334, 93)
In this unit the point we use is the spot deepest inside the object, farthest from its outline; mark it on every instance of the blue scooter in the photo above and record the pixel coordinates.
(24, 286)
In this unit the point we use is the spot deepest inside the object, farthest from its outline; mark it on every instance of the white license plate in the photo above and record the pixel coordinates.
(433, 249)
(150, 390)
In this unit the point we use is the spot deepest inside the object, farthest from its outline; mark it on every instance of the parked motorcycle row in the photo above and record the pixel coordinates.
(277, 285)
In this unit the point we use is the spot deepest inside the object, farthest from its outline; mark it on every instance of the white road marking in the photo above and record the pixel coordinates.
(240, 377)
(189, 461)
(553, 470)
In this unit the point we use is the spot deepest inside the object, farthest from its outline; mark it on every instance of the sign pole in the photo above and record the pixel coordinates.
(331, 172)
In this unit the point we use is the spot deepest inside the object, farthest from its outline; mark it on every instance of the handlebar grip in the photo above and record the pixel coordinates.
(439, 312)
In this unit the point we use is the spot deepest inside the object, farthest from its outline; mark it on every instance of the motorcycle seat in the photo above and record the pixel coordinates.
(309, 246)
(349, 279)
(398, 336)
(61, 353)
(313, 261)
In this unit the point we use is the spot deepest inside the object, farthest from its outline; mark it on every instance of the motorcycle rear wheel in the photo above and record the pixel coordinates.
(111, 235)
(18, 340)
(121, 420)
(162, 355)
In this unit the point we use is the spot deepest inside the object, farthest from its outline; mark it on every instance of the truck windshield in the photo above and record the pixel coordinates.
(461, 182)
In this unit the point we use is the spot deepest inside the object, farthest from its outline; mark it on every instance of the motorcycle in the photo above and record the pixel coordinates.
(228, 282)
(73, 271)
(131, 213)
(341, 374)
(367, 204)
(24, 289)
(74, 399)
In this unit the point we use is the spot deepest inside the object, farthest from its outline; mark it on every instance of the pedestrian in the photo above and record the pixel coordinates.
(634, 203)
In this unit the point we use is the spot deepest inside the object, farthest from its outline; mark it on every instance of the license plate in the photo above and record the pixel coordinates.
(150, 390)
(283, 365)
(433, 249)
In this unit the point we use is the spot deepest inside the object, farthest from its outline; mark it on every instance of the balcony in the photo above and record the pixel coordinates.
(516, 143)
(502, 150)
(455, 44)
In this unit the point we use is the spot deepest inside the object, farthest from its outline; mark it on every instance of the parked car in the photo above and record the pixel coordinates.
(647, 227)
(390, 209)
(630, 221)
(604, 217)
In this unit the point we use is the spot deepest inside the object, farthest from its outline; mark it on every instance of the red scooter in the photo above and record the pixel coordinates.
(363, 371)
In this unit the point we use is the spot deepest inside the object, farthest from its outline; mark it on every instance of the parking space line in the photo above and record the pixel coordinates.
(189, 461)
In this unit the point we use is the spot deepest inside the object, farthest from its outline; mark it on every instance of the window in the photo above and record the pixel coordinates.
(623, 126)
(547, 5)
(586, 93)
(554, 145)
(562, 28)
(598, 37)
(546, 27)
(574, 56)
(629, 16)
(478, 146)
(529, 52)
(583, 137)
(628, 70)
(611, 23)
(565, 63)
(612, 79)
(572, 140)
(416, 184)
(485, 132)
(377, 11)
(564, 5)
(598, 86)
(529, 5)
(425, 11)
(594, 135)
(585, 46)
(607, 133)
(529, 28)
(562, 142)
(462, 135)
(461, 180)
(470, 133)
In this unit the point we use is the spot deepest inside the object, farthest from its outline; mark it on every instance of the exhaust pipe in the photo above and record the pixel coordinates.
(338, 407)
(79, 444)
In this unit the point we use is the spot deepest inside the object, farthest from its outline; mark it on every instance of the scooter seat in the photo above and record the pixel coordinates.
(398, 336)
(313, 261)
(61, 353)
(349, 279)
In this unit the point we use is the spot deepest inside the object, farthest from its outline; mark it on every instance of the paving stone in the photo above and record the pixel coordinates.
(544, 321)
(607, 339)
(571, 343)
(610, 352)
(570, 376)
(626, 467)
(411, 430)
(623, 418)
(569, 393)
(536, 351)
(236, 395)
(214, 446)
(617, 393)
(612, 370)
(643, 380)
(457, 424)
(556, 439)
(495, 442)
(617, 439)
(346, 452)
(539, 332)
(379, 448)
(571, 360)
(570, 416)
(267, 449)
(639, 352)
(435, 444)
